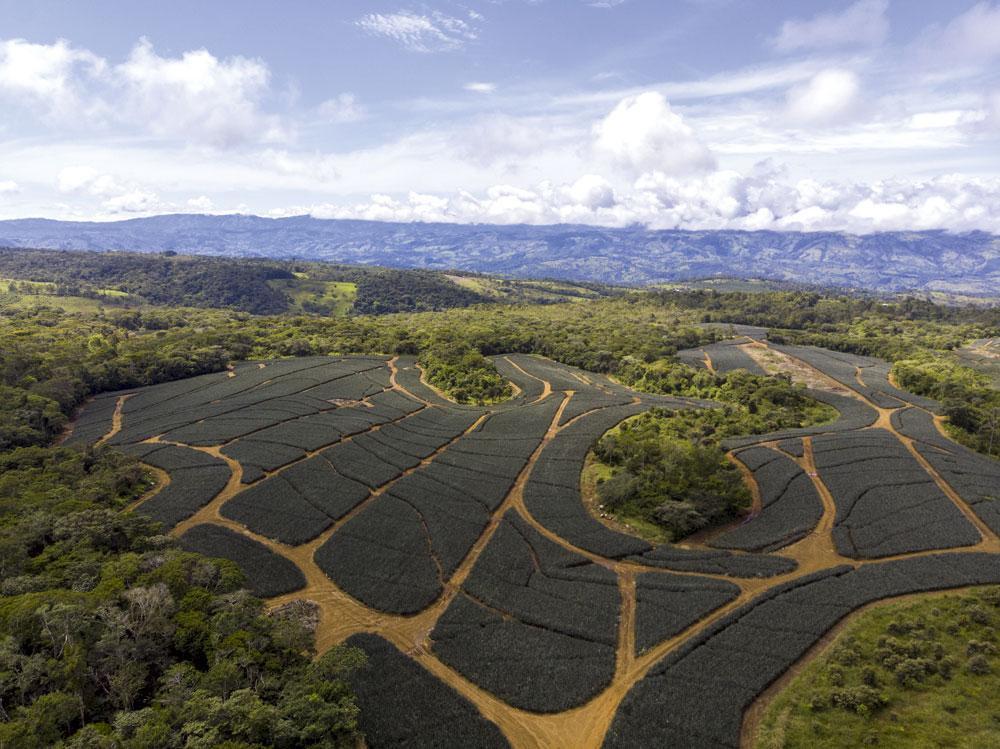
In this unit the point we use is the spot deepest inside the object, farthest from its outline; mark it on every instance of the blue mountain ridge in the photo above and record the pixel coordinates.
(963, 263)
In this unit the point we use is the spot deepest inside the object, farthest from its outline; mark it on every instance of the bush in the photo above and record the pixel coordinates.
(978, 665)
(863, 700)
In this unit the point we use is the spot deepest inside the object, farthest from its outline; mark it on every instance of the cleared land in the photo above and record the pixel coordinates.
(451, 543)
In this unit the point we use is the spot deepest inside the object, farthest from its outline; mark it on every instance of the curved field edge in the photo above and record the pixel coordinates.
(930, 709)
(712, 678)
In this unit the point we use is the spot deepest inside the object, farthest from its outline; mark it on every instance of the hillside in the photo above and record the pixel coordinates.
(892, 261)
(260, 287)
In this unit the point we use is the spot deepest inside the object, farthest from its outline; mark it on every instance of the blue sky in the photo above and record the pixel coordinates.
(865, 115)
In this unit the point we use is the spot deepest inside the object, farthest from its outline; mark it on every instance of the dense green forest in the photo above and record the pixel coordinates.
(260, 287)
(111, 636)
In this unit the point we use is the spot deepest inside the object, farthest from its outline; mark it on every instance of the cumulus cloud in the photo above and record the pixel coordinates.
(133, 201)
(197, 96)
(9, 187)
(433, 32)
(116, 195)
(642, 133)
(342, 108)
(828, 97)
(591, 191)
(862, 23)
(723, 199)
(47, 76)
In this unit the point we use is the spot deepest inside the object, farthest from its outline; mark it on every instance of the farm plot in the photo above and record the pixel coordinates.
(974, 477)
(668, 604)
(724, 356)
(534, 624)
(297, 504)
(559, 376)
(886, 502)
(459, 534)
(404, 705)
(531, 387)
(695, 697)
(552, 493)
(253, 399)
(195, 479)
(715, 562)
(397, 552)
(863, 374)
(94, 421)
(791, 506)
(267, 574)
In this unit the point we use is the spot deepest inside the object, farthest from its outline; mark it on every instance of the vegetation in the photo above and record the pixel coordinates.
(465, 374)
(970, 401)
(257, 286)
(910, 673)
(665, 470)
(112, 636)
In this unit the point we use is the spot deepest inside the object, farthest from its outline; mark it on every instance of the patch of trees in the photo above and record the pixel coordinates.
(174, 280)
(816, 310)
(677, 484)
(110, 635)
(383, 290)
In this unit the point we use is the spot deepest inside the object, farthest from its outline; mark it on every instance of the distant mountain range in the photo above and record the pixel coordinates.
(966, 263)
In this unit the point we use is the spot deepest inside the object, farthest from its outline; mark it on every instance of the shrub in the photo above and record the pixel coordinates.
(978, 665)
(863, 700)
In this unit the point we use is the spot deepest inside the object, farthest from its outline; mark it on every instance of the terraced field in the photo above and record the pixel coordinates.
(451, 544)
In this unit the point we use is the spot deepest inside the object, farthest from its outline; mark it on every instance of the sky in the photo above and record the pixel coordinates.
(699, 114)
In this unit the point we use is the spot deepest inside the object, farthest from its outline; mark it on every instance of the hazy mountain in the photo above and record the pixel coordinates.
(891, 261)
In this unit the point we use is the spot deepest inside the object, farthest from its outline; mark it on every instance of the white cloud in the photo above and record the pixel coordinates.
(133, 201)
(342, 108)
(47, 76)
(862, 23)
(115, 195)
(972, 37)
(480, 87)
(723, 199)
(8, 187)
(73, 178)
(197, 96)
(591, 191)
(827, 98)
(201, 204)
(434, 32)
(643, 133)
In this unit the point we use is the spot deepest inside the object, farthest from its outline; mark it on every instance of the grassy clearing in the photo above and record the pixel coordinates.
(71, 304)
(920, 672)
(333, 298)
(526, 291)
